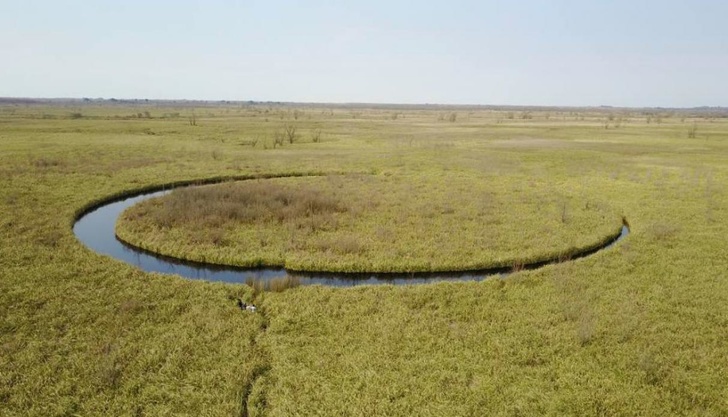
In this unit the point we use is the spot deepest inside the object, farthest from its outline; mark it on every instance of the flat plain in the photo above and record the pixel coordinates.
(636, 329)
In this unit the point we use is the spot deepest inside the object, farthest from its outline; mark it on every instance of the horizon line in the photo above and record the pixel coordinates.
(5, 99)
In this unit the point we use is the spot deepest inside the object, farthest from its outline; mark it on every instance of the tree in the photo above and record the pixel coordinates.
(290, 132)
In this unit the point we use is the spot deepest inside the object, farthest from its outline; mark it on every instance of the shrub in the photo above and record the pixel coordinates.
(693, 131)
(316, 136)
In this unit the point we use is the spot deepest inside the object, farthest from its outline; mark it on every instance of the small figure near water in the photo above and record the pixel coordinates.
(247, 307)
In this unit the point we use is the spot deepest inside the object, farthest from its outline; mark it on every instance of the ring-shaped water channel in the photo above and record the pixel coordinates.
(95, 228)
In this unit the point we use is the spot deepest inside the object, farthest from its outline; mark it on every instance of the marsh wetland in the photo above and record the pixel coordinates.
(637, 328)
(95, 229)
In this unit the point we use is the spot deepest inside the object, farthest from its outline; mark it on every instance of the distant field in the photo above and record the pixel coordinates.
(638, 328)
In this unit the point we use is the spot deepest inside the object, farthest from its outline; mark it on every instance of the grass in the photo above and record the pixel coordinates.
(637, 329)
(281, 284)
(381, 223)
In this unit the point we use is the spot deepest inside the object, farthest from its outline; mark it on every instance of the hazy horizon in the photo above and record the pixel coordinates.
(142, 100)
(567, 54)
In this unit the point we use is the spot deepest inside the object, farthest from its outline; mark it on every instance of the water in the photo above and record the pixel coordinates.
(95, 229)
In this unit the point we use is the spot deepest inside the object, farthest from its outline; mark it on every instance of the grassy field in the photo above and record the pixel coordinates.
(637, 329)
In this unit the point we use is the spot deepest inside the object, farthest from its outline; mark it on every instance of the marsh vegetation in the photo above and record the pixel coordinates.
(637, 329)
(373, 223)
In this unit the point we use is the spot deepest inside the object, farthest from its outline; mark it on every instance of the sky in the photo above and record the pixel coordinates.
(531, 52)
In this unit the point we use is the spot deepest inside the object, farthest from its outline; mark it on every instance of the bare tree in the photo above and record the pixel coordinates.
(290, 131)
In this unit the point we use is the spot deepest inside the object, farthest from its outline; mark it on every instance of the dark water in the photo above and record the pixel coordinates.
(95, 229)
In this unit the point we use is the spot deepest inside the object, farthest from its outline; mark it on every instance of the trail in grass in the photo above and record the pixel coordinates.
(253, 396)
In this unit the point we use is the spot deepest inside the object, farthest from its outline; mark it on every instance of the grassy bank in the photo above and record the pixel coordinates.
(637, 329)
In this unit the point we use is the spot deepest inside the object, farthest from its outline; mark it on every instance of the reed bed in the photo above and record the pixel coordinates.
(637, 329)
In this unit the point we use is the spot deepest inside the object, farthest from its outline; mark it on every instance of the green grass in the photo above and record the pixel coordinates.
(637, 329)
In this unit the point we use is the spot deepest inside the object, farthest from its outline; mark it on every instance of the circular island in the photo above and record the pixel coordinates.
(371, 228)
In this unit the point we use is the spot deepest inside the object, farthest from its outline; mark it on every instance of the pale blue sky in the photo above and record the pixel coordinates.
(622, 53)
